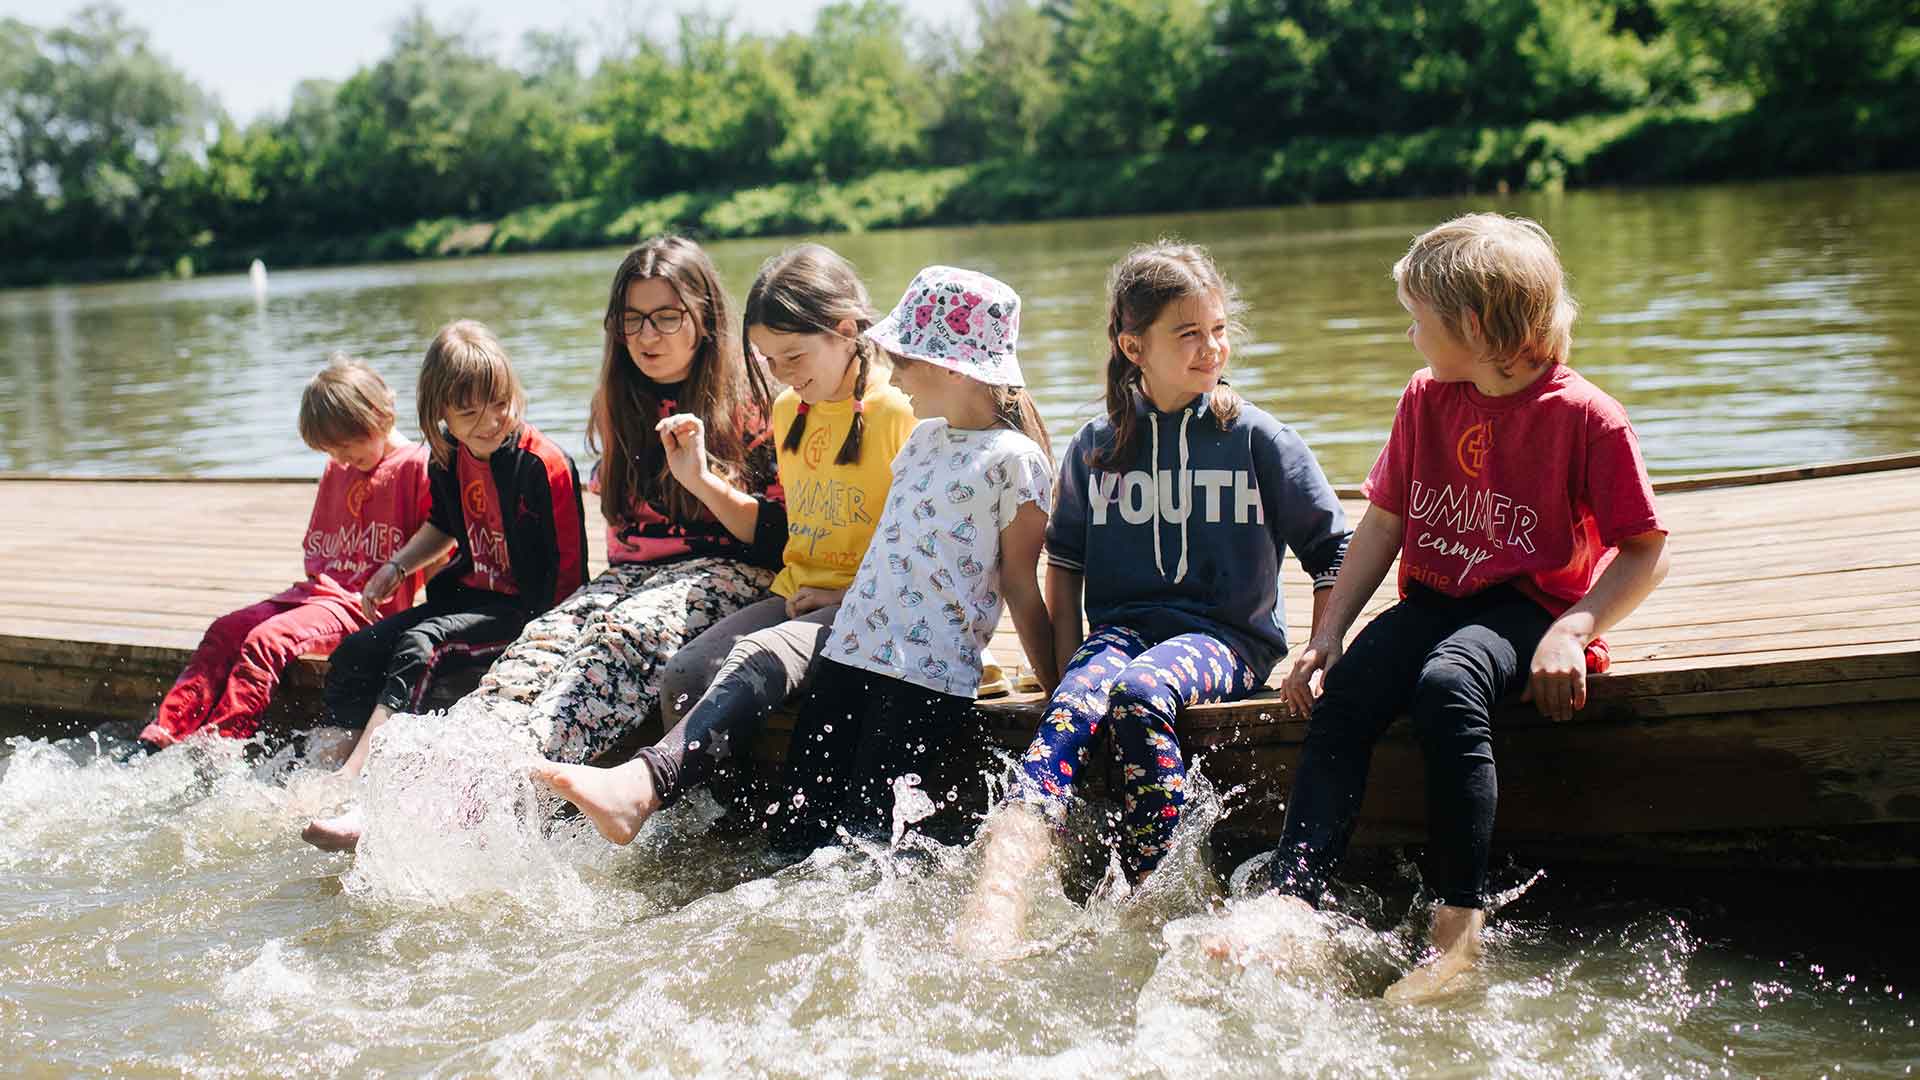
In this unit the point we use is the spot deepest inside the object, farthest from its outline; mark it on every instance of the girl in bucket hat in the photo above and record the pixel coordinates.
(961, 532)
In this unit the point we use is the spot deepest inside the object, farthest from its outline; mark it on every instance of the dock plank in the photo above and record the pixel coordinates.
(1788, 630)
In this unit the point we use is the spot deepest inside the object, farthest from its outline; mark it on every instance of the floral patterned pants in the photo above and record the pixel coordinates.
(1117, 676)
(588, 672)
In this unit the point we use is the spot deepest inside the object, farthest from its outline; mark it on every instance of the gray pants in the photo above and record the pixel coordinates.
(719, 688)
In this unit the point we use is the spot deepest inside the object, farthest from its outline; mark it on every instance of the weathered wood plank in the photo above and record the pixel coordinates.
(1780, 663)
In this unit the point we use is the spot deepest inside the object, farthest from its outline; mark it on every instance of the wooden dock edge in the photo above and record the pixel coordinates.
(1768, 760)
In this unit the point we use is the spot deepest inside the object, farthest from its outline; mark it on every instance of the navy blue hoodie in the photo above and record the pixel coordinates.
(1195, 547)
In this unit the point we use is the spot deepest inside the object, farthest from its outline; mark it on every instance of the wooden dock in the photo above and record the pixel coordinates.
(1763, 708)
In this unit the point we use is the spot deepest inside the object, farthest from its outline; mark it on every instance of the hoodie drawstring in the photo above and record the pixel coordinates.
(1153, 481)
(1180, 573)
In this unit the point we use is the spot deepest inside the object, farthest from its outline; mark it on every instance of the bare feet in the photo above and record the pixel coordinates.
(995, 918)
(340, 833)
(1456, 933)
(618, 800)
(1271, 930)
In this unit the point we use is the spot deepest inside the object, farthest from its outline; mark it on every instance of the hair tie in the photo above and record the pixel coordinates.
(801, 409)
(859, 405)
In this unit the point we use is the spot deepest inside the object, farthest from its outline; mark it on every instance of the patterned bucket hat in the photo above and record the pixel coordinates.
(959, 319)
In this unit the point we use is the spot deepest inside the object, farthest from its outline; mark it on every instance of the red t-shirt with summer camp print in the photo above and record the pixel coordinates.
(359, 521)
(1536, 488)
(492, 569)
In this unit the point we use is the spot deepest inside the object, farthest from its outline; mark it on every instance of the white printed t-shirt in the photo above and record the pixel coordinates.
(926, 598)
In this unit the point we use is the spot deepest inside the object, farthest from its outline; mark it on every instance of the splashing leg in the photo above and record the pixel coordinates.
(995, 917)
(618, 800)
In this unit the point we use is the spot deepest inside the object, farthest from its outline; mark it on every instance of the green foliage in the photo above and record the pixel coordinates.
(96, 133)
(1801, 52)
(1127, 70)
(113, 162)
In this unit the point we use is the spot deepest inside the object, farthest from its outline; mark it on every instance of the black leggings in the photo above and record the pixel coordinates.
(855, 735)
(392, 662)
(1447, 662)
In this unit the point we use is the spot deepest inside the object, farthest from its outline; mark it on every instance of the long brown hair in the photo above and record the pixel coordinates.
(721, 388)
(465, 365)
(811, 289)
(1139, 288)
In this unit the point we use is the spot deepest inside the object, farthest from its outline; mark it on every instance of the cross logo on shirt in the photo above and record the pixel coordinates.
(1474, 446)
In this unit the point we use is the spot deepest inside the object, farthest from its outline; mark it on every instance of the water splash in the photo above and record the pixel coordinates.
(910, 804)
(451, 812)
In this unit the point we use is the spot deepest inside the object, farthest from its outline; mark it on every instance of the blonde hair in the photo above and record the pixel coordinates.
(1506, 271)
(465, 365)
(345, 402)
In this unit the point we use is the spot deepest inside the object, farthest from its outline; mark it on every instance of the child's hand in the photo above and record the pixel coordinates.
(685, 437)
(1558, 686)
(1309, 675)
(378, 588)
(807, 598)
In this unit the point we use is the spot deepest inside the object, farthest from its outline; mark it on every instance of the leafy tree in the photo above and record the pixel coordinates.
(1128, 70)
(1799, 52)
(1002, 92)
(99, 135)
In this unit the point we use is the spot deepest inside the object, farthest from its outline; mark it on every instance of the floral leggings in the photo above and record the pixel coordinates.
(1116, 675)
(588, 672)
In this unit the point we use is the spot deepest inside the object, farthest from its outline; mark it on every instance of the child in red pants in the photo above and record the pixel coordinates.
(373, 496)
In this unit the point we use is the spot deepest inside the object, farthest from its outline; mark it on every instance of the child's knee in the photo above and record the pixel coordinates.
(355, 654)
(1451, 698)
(1142, 692)
(688, 673)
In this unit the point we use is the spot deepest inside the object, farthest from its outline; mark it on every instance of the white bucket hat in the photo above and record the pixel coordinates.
(959, 319)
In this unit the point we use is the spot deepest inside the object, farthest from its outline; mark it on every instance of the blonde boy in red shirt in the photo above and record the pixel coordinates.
(1513, 492)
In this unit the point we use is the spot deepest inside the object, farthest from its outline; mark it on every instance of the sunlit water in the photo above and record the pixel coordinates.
(162, 917)
(1742, 325)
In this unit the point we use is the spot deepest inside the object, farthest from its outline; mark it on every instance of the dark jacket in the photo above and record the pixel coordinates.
(546, 530)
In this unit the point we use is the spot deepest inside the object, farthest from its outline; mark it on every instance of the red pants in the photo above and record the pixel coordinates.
(231, 676)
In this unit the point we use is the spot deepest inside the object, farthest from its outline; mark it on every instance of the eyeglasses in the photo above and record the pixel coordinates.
(666, 321)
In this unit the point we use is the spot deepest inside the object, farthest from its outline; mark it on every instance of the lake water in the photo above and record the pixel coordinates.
(162, 917)
(1742, 326)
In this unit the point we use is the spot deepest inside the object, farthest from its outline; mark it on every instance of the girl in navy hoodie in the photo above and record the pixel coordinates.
(1169, 524)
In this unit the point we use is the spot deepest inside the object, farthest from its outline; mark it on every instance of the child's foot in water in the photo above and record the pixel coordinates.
(1456, 933)
(618, 800)
(341, 833)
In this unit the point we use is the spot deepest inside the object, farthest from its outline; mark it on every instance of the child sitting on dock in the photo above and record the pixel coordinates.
(1513, 492)
(1173, 514)
(508, 499)
(837, 427)
(962, 529)
(372, 495)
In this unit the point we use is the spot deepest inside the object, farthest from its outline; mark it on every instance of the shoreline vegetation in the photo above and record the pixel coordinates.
(1641, 147)
(117, 165)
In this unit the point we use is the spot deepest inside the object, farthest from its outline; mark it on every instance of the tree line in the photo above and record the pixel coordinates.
(110, 152)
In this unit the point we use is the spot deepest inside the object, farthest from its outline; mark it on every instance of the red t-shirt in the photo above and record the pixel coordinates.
(359, 521)
(492, 569)
(1536, 488)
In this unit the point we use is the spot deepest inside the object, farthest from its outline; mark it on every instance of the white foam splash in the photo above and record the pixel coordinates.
(451, 812)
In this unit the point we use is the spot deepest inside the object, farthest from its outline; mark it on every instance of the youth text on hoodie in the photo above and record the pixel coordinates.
(1187, 537)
